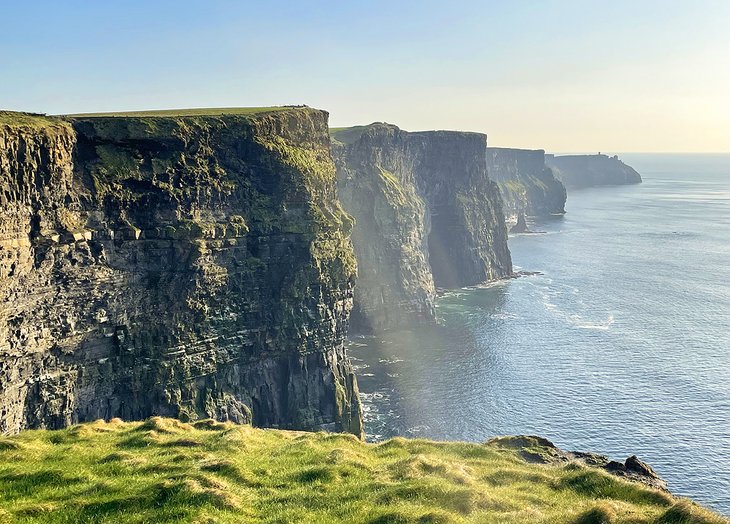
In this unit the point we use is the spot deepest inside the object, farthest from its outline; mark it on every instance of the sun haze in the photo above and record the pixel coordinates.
(561, 75)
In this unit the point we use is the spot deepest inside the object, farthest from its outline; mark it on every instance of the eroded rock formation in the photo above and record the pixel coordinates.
(426, 215)
(580, 171)
(527, 185)
(540, 450)
(186, 266)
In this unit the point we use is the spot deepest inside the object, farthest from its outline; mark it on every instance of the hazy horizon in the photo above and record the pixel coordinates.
(560, 76)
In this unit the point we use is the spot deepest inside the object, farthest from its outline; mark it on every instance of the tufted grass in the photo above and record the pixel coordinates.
(164, 470)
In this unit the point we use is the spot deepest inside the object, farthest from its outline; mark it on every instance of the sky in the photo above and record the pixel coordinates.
(560, 75)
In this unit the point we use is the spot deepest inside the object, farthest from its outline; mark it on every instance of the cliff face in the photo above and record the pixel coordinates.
(580, 171)
(527, 185)
(188, 266)
(426, 215)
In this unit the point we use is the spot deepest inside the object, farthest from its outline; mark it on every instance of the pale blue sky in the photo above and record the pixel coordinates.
(566, 75)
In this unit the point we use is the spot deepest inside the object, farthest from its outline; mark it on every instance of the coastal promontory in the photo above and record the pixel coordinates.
(191, 264)
(581, 171)
(426, 215)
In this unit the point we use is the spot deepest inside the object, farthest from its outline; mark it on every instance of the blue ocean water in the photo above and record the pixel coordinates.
(621, 346)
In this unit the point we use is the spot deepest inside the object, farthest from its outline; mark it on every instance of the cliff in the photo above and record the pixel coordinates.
(163, 470)
(581, 171)
(527, 185)
(181, 264)
(426, 215)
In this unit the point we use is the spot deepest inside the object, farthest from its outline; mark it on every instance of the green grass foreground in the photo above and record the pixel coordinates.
(163, 470)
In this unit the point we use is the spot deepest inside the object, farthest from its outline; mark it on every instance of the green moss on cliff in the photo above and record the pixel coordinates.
(313, 175)
(392, 189)
(538, 183)
(514, 186)
(163, 470)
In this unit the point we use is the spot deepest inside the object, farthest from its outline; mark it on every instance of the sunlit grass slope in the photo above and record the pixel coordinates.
(347, 135)
(29, 120)
(163, 470)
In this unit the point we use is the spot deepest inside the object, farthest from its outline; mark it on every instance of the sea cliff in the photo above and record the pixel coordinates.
(426, 215)
(527, 185)
(581, 171)
(182, 264)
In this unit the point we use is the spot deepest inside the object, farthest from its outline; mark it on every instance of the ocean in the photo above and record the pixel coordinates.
(621, 345)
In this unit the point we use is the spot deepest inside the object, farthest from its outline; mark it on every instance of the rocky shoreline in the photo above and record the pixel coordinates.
(541, 451)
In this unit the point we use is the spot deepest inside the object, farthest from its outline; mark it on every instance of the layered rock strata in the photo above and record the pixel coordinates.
(184, 265)
(426, 216)
(527, 185)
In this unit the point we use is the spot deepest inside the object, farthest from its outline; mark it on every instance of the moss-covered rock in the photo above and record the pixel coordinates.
(215, 280)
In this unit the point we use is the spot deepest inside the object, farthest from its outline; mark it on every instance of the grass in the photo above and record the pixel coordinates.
(41, 121)
(205, 111)
(163, 470)
(30, 120)
(347, 135)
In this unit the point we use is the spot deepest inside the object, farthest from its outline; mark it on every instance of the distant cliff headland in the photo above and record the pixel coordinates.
(528, 186)
(581, 171)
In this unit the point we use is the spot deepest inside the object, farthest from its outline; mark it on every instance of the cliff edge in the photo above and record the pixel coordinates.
(163, 470)
(426, 216)
(187, 264)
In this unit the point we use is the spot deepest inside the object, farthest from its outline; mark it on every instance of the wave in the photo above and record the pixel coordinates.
(390, 360)
(574, 319)
(502, 316)
(600, 326)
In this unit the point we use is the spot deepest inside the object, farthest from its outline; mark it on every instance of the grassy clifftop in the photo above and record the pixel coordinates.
(163, 470)
(203, 111)
(16, 119)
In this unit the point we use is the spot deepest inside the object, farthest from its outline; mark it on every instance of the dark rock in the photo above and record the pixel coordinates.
(540, 450)
(634, 464)
(520, 226)
(527, 185)
(426, 214)
(194, 267)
